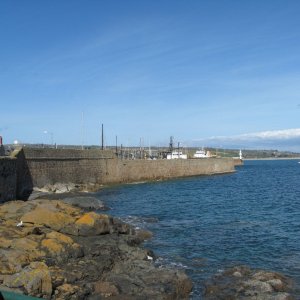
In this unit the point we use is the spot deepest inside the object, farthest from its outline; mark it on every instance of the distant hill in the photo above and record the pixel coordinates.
(252, 154)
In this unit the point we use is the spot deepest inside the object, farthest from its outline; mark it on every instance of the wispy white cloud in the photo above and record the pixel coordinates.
(269, 135)
(287, 139)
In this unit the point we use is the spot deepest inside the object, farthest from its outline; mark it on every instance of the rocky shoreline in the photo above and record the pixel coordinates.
(60, 251)
(241, 282)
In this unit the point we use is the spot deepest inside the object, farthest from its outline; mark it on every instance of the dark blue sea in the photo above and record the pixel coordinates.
(208, 223)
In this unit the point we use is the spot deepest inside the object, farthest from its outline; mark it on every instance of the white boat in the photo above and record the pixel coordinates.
(202, 154)
(176, 155)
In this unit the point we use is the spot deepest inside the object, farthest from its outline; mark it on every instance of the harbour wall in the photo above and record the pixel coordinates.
(31, 167)
(8, 178)
(48, 166)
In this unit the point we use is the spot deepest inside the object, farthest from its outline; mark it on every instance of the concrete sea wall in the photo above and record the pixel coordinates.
(117, 171)
(48, 166)
(30, 167)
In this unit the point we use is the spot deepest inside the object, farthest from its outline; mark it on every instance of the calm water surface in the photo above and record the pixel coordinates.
(205, 224)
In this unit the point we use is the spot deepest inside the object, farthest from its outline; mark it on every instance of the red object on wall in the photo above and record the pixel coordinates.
(0, 140)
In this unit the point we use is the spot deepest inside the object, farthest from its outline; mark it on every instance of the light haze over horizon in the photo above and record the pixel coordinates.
(209, 73)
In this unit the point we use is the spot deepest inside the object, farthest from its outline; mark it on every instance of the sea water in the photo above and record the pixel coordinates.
(206, 224)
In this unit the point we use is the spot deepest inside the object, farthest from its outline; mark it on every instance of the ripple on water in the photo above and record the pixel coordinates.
(250, 217)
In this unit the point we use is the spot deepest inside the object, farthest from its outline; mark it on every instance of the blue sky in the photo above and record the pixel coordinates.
(206, 72)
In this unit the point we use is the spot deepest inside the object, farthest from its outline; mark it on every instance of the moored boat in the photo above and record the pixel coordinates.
(176, 155)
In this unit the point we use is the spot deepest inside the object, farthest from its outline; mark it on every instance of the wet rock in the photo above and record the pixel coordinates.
(120, 227)
(244, 283)
(61, 188)
(58, 188)
(89, 203)
(37, 194)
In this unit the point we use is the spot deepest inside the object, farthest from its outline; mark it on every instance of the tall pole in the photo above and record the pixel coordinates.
(102, 144)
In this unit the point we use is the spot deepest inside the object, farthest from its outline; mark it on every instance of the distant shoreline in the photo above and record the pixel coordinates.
(273, 158)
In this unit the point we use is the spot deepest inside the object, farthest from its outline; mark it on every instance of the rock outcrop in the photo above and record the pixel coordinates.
(52, 250)
(244, 283)
(64, 188)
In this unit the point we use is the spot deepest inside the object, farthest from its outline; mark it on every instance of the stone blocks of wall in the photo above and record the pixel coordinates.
(8, 178)
(24, 178)
(30, 167)
(50, 171)
(52, 153)
(91, 166)
(118, 171)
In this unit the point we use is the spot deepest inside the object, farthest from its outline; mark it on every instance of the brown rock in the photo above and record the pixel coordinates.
(265, 276)
(50, 218)
(53, 246)
(68, 291)
(106, 289)
(277, 284)
(5, 243)
(256, 286)
(121, 227)
(144, 234)
(35, 279)
(79, 262)
(12, 260)
(14, 209)
(60, 246)
(29, 247)
(243, 283)
(24, 244)
(93, 224)
(60, 237)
